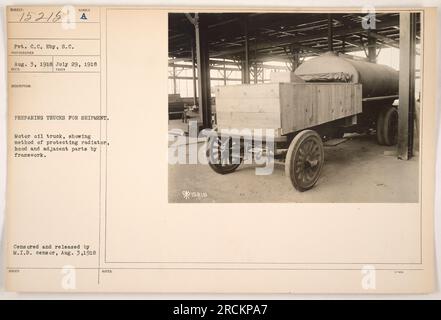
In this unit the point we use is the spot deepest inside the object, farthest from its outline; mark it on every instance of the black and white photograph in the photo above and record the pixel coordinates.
(308, 107)
(252, 151)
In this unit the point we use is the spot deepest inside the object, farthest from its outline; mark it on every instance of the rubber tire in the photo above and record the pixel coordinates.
(222, 170)
(380, 127)
(291, 155)
(389, 115)
(219, 168)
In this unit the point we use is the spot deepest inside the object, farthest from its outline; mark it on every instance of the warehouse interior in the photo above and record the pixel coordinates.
(207, 50)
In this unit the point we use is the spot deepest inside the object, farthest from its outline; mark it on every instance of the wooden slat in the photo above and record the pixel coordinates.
(250, 120)
(248, 104)
(263, 90)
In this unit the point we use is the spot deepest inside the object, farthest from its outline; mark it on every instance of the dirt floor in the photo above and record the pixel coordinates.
(357, 170)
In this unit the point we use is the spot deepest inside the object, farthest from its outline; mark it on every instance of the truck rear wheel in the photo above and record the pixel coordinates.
(387, 126)
(380, 126)
(390, 126)
(304, 160)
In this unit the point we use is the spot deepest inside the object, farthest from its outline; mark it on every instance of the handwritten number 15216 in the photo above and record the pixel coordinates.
(40, 16)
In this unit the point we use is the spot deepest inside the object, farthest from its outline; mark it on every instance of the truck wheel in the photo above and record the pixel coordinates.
(387, 126)
(380, 127)
(304, 160)
(222, 154)
(390, 126)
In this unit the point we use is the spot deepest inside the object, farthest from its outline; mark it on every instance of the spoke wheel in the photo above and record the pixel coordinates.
(304, 160)
(224, 154)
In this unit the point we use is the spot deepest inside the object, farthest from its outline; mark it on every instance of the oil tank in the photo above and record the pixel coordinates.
(377, 80)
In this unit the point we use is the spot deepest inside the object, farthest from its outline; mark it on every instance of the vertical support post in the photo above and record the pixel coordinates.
(256, 63)
(256, 72)
(174, 77)
(225, 74)
(372, 48)
(246, 64)
(330, 33)
(406, 85)
(295, 58)
(193, 67)
(203, 62)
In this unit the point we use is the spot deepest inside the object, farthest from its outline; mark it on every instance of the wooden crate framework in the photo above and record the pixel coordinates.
(285, 107)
